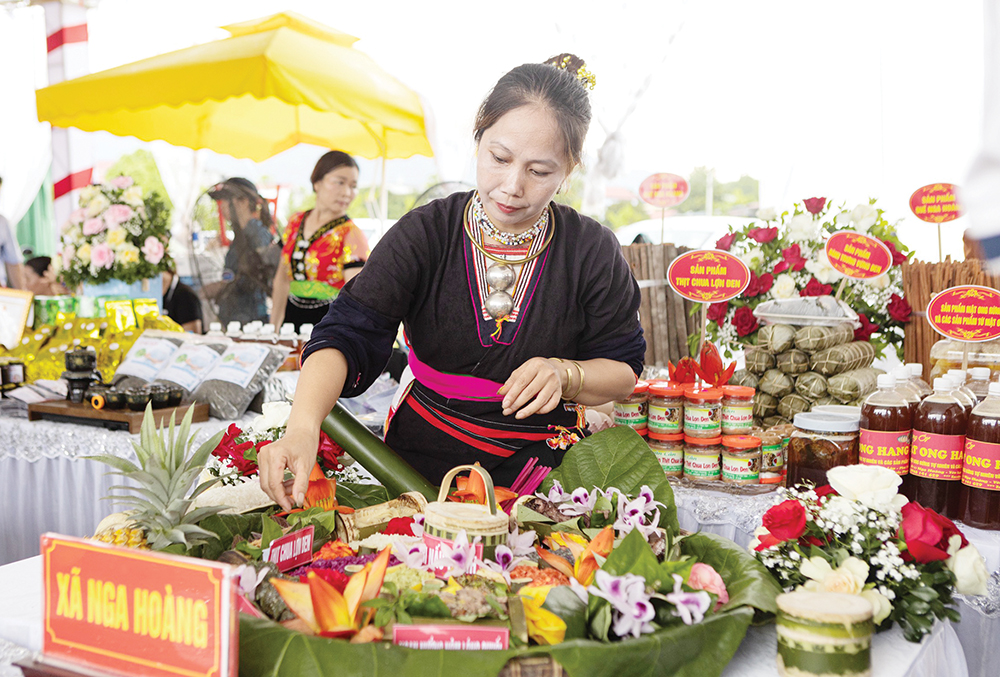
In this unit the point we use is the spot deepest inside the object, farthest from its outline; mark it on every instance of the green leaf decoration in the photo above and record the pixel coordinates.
(270, 531)
(633, 555)
(360, 495)
(563, 602)
(617, 457)
(225, 528)
(747, 581)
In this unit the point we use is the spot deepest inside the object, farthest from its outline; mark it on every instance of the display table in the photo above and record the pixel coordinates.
(939, 655)
(736, 517)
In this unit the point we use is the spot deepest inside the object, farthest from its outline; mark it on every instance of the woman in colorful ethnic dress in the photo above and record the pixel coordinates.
(519, 311)
(323, 247)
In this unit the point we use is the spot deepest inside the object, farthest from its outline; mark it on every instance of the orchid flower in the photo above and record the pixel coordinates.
(418, 525)
(249, 578)
(459, 558)
(414, 556)
(632, 514)
(632, 610)
(689, 606)
(556, 494)
(651, 503)
(503, 561)
(521, 544)
(581, 502)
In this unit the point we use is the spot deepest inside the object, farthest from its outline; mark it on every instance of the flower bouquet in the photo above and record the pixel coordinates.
(116, 234)
(858, 536)
(787, 258)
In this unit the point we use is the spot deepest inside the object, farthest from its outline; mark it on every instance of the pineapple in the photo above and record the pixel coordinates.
(161, 514)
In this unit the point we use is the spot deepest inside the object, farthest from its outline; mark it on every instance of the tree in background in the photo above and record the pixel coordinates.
(735, 198)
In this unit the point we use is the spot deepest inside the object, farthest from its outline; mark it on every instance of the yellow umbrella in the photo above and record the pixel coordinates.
(276, 82)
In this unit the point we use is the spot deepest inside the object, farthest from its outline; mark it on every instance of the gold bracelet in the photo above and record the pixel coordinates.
(569, 381)
(580, 389)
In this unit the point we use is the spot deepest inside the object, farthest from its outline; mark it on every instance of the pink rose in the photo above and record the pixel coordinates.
(67, 255)
(704, 577)
(77, 216)
(121, 182)
(117, 214)
(101, 256)
(93, 226)
(153, 249)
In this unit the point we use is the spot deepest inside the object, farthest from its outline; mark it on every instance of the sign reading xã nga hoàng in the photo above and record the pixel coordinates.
(966, 313)
(708, 276)
(137, 612)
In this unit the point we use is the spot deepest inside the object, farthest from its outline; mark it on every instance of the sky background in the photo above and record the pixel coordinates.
(846, 100)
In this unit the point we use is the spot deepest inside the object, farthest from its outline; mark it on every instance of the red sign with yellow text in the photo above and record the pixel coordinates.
(664, 190)
(858, 256)
(708, 276)
(936, 203)
(966, 313)
(136, 612)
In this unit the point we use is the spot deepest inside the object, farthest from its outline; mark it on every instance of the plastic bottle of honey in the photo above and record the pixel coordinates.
(979, 382)
(979, 501)
(886, 423)
(917, 379)
(960, 377)
(937, 451)
(906, 389)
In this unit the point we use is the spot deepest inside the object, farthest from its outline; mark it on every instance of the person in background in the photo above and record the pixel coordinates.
(180, 303)
(11, 270)
(323, 248)
(242, 293)
(40, 277)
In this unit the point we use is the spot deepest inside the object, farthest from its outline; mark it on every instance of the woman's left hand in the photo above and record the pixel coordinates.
(533, 388)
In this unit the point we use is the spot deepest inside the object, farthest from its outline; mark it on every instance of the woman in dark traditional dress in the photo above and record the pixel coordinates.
(519, 311)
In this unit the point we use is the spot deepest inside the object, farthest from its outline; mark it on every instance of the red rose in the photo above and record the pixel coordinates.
(824, 491)
(899, 309)
(767, 541)
(812, 540)
(897, 256)
(402, 526)
(758, 285)
(786, 521)
(329, 453)
(726, 241)
(232, 454)
(744, 321)
(816, 288)
(717, 312)
(814, 205)
(792, 259)
(762, 235)
(867, 328)
(926, 534)
(766, 282)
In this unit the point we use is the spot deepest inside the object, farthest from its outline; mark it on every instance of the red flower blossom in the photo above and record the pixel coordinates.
(402, 526)
(232, 454)
(329, 453)
(726, 241)
(926, 534)
(899, 309)
(816, 288)
(744, 321)
(717, 312)
(786, 521)
(897, 256)
(792, 259)
(867, 328)
(814, 205)
(758, 285)
(762, 235)
(824, 491)
(812, 540)
(335, 578)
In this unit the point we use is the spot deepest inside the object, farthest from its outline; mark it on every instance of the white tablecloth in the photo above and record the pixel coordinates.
(939, 655)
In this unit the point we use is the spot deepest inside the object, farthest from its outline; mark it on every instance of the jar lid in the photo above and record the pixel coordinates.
(821, 421)
(741, 441)
(839, 409)
(666, 389)
(696, 393)
(738, 391)
(673, 437)
(703, 441)
(825, 607)
(640, 387)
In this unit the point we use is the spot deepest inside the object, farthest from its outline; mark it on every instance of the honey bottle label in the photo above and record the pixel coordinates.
(889, 449)
(937, 457)
(981, 468)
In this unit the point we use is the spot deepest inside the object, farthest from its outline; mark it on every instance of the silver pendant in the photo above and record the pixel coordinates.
(500, 276)
(499, 304)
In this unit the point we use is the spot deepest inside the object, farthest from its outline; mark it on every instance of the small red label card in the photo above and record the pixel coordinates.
(937, 457)
(451, 637)
(966, 313)
(936, 203)
(982, 465)
(858, 256)
(708, 276)
(135, 612)
(292, 550)
(664, 190)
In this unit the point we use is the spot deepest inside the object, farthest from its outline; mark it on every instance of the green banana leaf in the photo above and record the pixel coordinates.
(361, 495)
(617, 457)
(270, 650)
(747, 581)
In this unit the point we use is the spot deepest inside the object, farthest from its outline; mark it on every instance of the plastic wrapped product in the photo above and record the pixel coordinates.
(776, 383)
(811, 385)
(789, 405)
(772, 421)
(758, 360)
(238, 376)
(146, 357)
(812, 339)
(776, 338)
(764, 405)
(192, 363)
(743, 377)
(823, 401)
(792, 362)
(846, 357)
(854, 385)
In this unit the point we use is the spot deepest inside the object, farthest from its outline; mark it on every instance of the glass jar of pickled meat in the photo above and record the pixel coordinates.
(821, 441)
(703, 412)
(633, 411)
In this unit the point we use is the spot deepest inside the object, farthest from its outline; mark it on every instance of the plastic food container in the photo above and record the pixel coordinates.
(666, 410)
(741, 459)
(702, 458)
(824, 633)
(633, 411)
(821, 441)
(737, 410)
(702, 412)
(669, 451)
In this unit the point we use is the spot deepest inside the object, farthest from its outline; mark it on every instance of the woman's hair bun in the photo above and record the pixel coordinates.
(573, 64)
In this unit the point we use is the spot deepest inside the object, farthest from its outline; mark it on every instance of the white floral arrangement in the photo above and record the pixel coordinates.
(118, 233)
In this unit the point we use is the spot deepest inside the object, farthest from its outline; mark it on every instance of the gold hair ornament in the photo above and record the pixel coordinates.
(588, 79)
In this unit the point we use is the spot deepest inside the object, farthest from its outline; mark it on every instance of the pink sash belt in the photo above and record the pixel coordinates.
(454, 386)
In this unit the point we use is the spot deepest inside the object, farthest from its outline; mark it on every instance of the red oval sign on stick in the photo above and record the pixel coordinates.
(708, 276)
(966, 313)
(936, 203)
(664, 190)
(858, 256)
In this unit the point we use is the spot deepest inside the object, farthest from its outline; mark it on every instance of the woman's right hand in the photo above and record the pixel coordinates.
(295, 451)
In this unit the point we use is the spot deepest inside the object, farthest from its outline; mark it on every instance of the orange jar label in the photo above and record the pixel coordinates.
(888, 449)
(937, 457)
(981, 469)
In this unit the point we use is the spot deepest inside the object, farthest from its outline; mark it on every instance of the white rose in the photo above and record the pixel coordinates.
(864, 217)
(880, 282)
(822, 270)
(274, 415)
(849, 578)
(881, 605)
(970, 571)
(753, 257)
(802, 228)
(870, 485)
(767, 214)
(784, 287)
(88, 193)
(842, 220)
(97, 205)
(132, 196)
